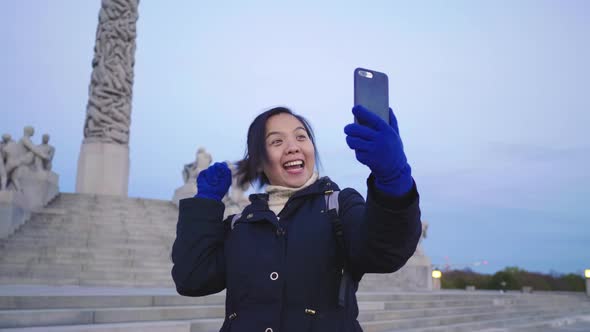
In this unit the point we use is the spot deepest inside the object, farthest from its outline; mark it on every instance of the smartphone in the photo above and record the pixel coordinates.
(371, 90)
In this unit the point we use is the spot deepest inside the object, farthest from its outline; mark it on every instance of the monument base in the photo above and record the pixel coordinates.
(38, 189)
(103, 168)
(415, 275)
(13, 212)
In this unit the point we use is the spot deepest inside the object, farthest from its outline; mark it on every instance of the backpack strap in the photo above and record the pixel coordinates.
(234, 219)
(332, 208)
(331, 198)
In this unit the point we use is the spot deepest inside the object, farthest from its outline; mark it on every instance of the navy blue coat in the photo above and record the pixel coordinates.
(283, 273)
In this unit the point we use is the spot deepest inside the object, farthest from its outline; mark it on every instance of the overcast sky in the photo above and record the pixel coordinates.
(492, 99)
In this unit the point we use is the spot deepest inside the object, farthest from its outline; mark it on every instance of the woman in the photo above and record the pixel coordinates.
(282, 258)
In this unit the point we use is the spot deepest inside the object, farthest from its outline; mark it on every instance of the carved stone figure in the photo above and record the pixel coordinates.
(235, 200)
(108, 113)
(419, 249)
(236, 192)
(3, 174)
(49, 151)
(13, 158)
(5, 139)
(202, 161)
(21, 156)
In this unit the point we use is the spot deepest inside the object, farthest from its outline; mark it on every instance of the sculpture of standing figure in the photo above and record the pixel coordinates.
(49, 151)
(236, 193)
(202, 161)
(5, 139)
(235, 200)
(3, 173)
(419, 249)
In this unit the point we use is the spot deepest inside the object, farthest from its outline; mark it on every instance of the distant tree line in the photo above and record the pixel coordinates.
(514, 279)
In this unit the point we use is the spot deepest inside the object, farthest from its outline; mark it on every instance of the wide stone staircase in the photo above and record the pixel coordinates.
(151, 310)
(82, 239)
(102, 263)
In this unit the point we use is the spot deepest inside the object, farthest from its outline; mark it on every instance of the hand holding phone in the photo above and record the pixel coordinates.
(371, 90)
(375, 136)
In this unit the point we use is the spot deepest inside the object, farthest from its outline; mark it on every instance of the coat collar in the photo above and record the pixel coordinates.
(322, 185)
(258, 209)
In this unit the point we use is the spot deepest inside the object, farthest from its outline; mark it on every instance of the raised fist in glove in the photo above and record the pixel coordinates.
(377, 144)
(214, 182)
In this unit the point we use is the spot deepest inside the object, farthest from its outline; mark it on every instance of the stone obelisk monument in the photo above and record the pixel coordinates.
(103, 164)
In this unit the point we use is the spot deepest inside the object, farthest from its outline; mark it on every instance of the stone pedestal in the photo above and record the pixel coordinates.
(415, 275)
(103, 168)
(186, 191)
(13, 212)
(38, 189)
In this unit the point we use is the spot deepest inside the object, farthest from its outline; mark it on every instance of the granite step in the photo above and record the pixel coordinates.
(213, 324)
(109, 299)
(499, 325)
(166, 326)
(446, 320)
(90, 282)
(91, 251)
(94, 225)
(76, 268)
(116, 261)
(77, 316)
(136, 240)
(52, 317)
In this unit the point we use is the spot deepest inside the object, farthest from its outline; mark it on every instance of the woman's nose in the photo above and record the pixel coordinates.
(292, 147)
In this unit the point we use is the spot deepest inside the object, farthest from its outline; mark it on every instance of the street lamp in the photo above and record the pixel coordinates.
(436, 276)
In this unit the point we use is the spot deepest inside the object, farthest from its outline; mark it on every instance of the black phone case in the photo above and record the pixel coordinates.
(372, 93)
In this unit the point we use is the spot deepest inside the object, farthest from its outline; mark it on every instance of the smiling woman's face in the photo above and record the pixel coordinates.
(291, 155)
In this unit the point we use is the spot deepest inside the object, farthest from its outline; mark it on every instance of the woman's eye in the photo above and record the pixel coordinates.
(276, 141)
(301, 137)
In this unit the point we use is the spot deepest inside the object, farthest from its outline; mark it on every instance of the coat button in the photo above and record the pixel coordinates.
(250, 216)
(274, 276)
(268, 330)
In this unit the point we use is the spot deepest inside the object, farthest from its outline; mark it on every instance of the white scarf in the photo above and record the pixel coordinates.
(279, 195)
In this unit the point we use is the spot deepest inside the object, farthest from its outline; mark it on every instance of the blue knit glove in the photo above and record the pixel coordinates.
(379, 146)
(214, 182)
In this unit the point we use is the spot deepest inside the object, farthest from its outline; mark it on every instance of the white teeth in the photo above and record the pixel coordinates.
(293, 163)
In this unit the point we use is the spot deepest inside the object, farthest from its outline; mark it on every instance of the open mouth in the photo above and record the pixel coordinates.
(294, 166)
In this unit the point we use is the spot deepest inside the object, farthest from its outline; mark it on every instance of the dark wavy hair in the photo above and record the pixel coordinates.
(249, 169)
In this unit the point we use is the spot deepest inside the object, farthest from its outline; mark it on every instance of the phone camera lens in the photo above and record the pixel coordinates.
(366, 74)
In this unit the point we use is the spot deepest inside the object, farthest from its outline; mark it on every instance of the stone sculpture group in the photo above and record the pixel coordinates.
(27, 182)
(22, 157)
